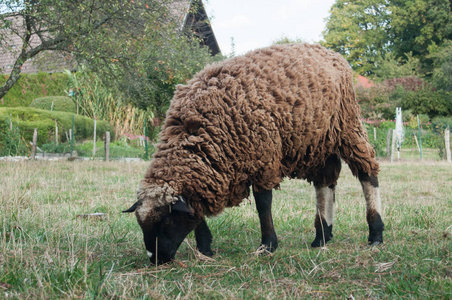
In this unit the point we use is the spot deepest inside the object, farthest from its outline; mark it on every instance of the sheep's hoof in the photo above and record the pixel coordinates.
(319, 242)
(375, 243)
(208, 252)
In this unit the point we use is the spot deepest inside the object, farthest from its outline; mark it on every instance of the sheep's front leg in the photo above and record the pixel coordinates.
(325, 215)
(373, 207)
(203, 238)
(264, 208)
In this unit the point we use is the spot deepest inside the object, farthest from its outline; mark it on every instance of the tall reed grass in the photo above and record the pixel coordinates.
(95, 100)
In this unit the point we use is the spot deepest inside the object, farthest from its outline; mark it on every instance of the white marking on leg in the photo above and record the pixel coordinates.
(150, 254)
(372, 195)
(325, 204)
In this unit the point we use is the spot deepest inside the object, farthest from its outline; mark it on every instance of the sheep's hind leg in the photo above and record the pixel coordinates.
(264, 208)
(325, 215)
(325, 180)
(373, 207)
(203, 239)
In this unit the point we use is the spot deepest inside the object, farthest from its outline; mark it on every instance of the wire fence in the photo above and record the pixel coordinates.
(424, 144)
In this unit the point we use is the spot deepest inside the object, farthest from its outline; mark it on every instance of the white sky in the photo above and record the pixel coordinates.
(258, 23)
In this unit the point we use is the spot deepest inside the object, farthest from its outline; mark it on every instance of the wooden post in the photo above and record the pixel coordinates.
(417, 143)
(35, 141)
(72, 136)
(10, 125)
(56, 132)
(145, 140)
(420, 136)
(447, 141)
(107, 146)
(388, 143)
(393, 145)
(94, 144)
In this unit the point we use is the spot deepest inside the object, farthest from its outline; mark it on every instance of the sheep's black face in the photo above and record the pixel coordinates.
(164, 228)
(163, 238)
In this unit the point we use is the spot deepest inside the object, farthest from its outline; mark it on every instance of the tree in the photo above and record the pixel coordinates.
(364, 30)
(98, 31)
(358, 29)
(418, 26)
(442, 73)
(150, 80)
(389, 66)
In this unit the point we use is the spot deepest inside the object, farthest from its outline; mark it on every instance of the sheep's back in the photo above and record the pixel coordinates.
(257, 118)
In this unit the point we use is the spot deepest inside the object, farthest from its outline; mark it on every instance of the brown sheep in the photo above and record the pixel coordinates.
(282, 111)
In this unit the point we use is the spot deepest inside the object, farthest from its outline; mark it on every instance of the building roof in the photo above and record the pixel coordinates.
(363, 82)
(191, 14)
(54, 61)
(197, 22)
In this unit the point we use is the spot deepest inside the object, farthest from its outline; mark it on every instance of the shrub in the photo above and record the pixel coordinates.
(439, 124)
(55, 103)
(31, 86)
(11, 141)
(431, 103)
(379, 145)
(27, 119)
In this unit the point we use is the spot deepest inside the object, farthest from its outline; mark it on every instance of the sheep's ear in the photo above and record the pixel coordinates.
(132, 208)
(181, 205)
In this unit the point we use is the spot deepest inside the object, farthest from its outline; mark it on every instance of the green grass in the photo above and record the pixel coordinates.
(48, 252)
(118, 149)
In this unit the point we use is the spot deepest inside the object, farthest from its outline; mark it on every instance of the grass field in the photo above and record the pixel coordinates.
(49, 251)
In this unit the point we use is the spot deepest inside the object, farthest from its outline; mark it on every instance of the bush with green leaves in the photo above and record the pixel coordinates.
(381, 131)
(426, 101)
(27, 119)
(54, 103)
(32, 86)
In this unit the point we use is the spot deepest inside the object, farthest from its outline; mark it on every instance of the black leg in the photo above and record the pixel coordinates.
(203, 239)
(373, 207)
(264, 208)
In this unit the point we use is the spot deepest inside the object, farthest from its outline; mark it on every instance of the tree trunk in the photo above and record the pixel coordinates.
(13, 78)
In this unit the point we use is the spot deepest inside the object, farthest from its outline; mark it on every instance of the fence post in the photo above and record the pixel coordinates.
(107, 146)
(388, 143)
(393, 145)
(94, 144)
(56, 133)
(72, 136)
(145, 140)
(417, 143)
(420, 138)
(35, 141)
(447, 141)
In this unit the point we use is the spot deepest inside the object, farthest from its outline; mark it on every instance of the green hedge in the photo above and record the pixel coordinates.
(55, 103)
(32, 86)
(27, 119)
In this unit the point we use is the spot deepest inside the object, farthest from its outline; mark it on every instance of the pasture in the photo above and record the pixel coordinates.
(49, 248)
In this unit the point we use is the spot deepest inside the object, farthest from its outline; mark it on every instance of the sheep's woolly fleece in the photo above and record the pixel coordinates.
(253, 120)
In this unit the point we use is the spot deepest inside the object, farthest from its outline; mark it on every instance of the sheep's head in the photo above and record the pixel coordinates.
(165, 219)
